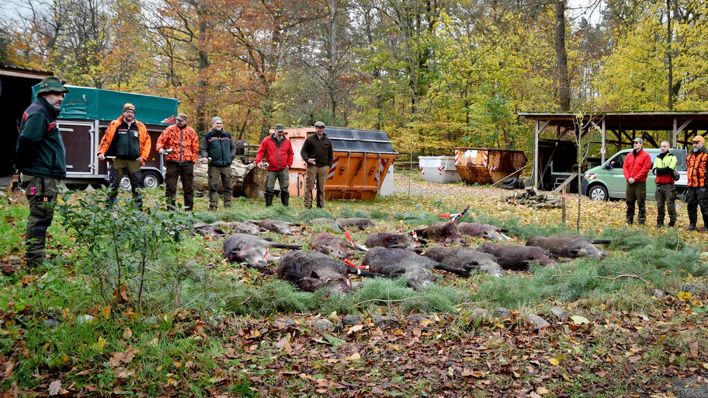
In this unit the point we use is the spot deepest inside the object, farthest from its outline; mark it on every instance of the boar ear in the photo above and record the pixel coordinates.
(314, 275)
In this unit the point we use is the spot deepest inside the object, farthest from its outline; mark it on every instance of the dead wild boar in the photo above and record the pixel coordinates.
(277, 226)
(218, 228)
(515, 257)
(392, 241)
(327, 222)
(312, 270)
(463, 260)
(245, 227)
(414, 268)
(361, 223)
(445, 232)
(567, 246)
(251, 249)
(331, 245)
(486, 231)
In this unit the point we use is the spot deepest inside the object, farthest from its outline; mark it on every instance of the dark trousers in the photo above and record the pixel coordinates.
(120, 168)
(666, 198)
(185, 172)
(41, 194)
(636, 192)
(283, 178)
(219, 174)
(697, 197)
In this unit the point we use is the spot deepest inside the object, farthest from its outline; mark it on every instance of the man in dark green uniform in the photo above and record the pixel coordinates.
(218, 150)
(41, 159)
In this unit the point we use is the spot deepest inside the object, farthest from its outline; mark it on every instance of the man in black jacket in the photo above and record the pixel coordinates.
(219, 149)
(42, 161)
(317, 153)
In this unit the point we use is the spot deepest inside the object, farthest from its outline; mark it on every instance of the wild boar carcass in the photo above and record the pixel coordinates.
(312, 270)
(361, 223)
(251, 249)
(567, 246)
(486, 231)
(516, 258)
(445, 232)
(331, 245)
(414, 268)
(463, 260)
(392, 241)
(277, 226)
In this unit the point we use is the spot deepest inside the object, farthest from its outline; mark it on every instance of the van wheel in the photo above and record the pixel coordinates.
(598, 192)
(151, 179)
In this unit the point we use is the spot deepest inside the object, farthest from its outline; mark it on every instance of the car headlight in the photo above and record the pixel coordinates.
(590, 176)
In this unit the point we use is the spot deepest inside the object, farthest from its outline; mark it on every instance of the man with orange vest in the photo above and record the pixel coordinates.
(180, 144)
(697, 172)
(278, 153)
(128, 142)
(636, 169)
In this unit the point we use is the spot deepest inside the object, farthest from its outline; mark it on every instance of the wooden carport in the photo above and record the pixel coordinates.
(678, 128)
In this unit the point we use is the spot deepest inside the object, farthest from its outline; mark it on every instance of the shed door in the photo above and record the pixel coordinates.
(78, 142)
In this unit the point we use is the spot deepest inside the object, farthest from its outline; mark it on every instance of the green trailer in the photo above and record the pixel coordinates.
(86, 113)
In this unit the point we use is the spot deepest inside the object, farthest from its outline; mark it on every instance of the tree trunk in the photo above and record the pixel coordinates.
(669, 59)
(562, 58)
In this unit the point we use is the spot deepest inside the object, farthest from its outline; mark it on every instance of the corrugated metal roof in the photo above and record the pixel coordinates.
(353, 140)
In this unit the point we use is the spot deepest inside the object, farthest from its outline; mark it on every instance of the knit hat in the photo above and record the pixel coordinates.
(128, 106)
(319, 124)
(51, 85)
(216, 119)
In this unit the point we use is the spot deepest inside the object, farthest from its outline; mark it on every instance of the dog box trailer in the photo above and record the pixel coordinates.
(361, 162)
(85, 115)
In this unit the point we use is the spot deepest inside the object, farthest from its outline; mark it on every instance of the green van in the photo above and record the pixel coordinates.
(607, 181)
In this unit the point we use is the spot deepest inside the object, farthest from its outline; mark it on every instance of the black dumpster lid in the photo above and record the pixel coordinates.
(353, 140)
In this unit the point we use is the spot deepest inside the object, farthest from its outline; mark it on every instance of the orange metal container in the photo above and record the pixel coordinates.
(487, 166)
(355, 174)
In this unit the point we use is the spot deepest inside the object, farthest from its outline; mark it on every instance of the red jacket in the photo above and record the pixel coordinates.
(637, 167)
(278, 158)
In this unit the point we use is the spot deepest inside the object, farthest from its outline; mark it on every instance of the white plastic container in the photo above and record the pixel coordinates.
(438, 168)
(387, 184)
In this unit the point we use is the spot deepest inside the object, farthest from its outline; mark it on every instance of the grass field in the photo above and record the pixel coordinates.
(633, 323)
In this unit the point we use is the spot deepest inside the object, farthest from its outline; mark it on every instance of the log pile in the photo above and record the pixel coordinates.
(246, 179)
(535, 200)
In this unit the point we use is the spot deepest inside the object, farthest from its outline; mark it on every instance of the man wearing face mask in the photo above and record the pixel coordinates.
(697, 173)
(278, 153)
(180, 144)
(664, 169)
(128, 143)
(42, 161)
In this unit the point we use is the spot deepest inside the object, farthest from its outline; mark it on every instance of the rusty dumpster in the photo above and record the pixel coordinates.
(488, 165)
(361, 162)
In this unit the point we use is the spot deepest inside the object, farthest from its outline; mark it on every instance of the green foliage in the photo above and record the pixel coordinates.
(130, 252)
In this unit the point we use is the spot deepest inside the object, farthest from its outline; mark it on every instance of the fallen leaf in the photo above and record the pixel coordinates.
(100, 344)
(106, 312)
(684, 296)
(579, 320)
(354, 329)
(354, 357)
(54, 387)
(127, 333)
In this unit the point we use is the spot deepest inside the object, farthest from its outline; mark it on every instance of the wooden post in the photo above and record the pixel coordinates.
(603, 150)
(537, 133)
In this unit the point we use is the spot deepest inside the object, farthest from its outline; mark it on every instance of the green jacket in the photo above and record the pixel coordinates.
(40, 148)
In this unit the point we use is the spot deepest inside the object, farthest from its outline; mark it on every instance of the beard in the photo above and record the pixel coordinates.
(57, 106)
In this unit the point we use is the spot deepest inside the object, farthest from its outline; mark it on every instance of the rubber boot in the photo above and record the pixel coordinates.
(285, 198)
(268, 198)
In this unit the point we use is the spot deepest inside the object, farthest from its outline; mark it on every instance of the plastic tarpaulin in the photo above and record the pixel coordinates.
(86, 103)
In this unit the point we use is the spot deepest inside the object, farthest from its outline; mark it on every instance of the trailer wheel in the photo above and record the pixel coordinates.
(125, 183)
(151, 179)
